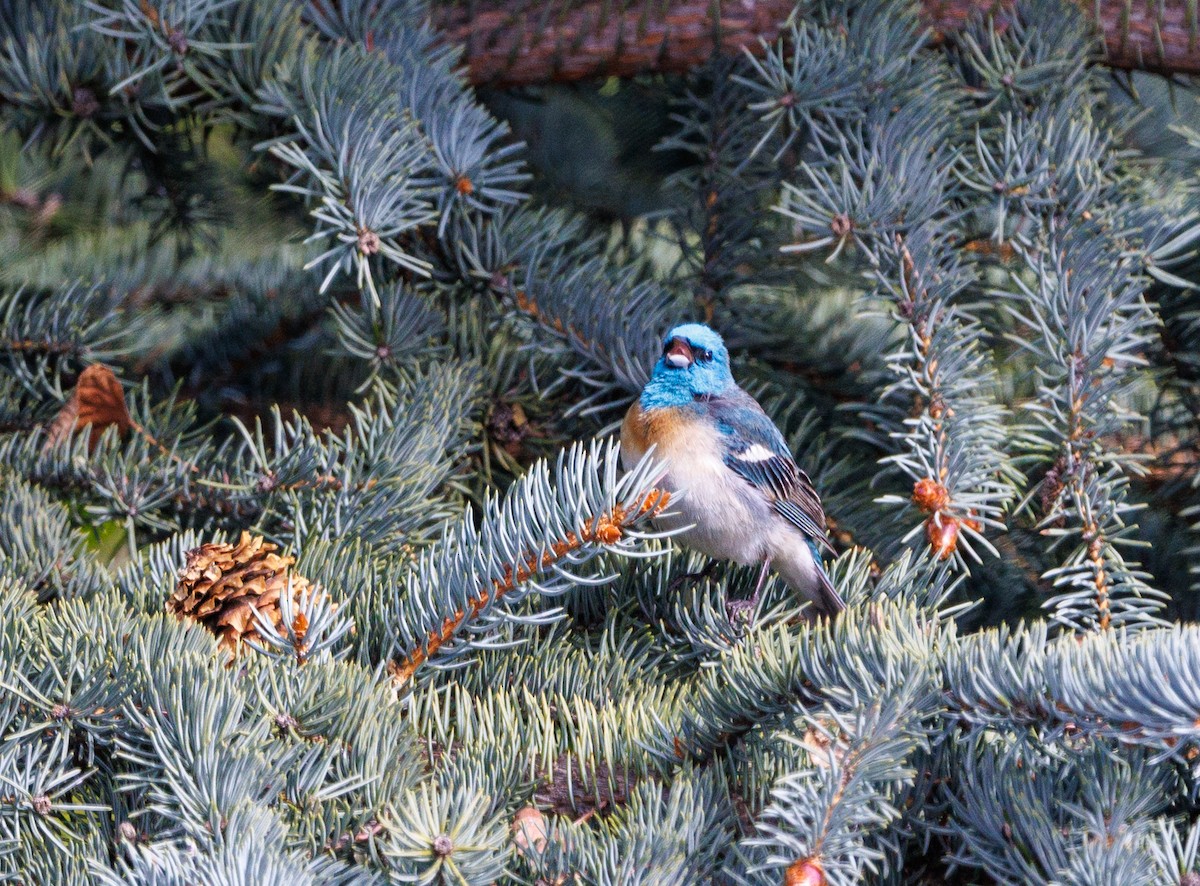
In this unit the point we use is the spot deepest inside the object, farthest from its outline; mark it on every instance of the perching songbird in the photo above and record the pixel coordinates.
(744, 497)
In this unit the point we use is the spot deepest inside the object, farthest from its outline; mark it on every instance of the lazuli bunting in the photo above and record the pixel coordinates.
(744, 499)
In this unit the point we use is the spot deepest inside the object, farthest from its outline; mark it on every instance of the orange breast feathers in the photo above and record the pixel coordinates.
(661, 428)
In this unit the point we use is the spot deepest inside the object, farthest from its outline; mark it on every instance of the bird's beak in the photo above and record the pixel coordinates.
(679, 354)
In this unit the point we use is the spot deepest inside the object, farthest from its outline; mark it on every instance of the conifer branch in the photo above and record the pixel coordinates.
(84, 324)
(1094, 684)
(600, 323)
(545, 524)
(877, 191)
(780, 669)
(1083, 494)
(605, 529)
(822, 819)
(953, 433)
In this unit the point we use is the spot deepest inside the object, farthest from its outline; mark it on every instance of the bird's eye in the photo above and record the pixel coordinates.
(705, 356)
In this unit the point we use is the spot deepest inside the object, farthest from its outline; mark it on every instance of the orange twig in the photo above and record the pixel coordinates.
(605, 529)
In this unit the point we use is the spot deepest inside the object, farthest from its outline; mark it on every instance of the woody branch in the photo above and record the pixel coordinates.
(514, 42)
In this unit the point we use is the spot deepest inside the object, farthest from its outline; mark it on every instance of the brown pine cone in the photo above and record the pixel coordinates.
(222, 583)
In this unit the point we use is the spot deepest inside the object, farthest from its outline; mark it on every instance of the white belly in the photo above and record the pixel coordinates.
(717, 523)
(718, 513)
(726, 523)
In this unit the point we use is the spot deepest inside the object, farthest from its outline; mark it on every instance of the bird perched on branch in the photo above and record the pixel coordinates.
(744, 497)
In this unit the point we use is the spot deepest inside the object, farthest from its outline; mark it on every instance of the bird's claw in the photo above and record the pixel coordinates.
(741, 610)
(680, 580)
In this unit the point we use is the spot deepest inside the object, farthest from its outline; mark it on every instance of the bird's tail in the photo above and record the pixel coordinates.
(825, 598)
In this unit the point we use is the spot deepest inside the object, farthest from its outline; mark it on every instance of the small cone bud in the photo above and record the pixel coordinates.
(529, 830)
(929, 495)
(805, 872)
(942, 534)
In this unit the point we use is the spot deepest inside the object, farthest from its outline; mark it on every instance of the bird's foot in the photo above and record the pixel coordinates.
(680, 580)
(741, 610)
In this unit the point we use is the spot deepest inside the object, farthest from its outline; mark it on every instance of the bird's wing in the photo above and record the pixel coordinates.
(757, 452)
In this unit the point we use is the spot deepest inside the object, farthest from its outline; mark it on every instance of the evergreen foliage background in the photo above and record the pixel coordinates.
(366, 312)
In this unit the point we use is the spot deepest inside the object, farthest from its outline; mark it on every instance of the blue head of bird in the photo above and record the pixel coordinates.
(694, 365)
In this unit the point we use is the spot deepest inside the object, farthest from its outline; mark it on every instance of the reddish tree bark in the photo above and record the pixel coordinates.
(512, 42)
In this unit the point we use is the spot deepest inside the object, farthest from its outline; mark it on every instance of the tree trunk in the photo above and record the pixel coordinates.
(513, 42)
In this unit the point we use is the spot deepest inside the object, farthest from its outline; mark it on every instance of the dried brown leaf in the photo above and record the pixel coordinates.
(98, 402)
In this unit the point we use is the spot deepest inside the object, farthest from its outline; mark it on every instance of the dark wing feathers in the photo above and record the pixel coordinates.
(803, 518)
(757, 452)
(776, 474)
